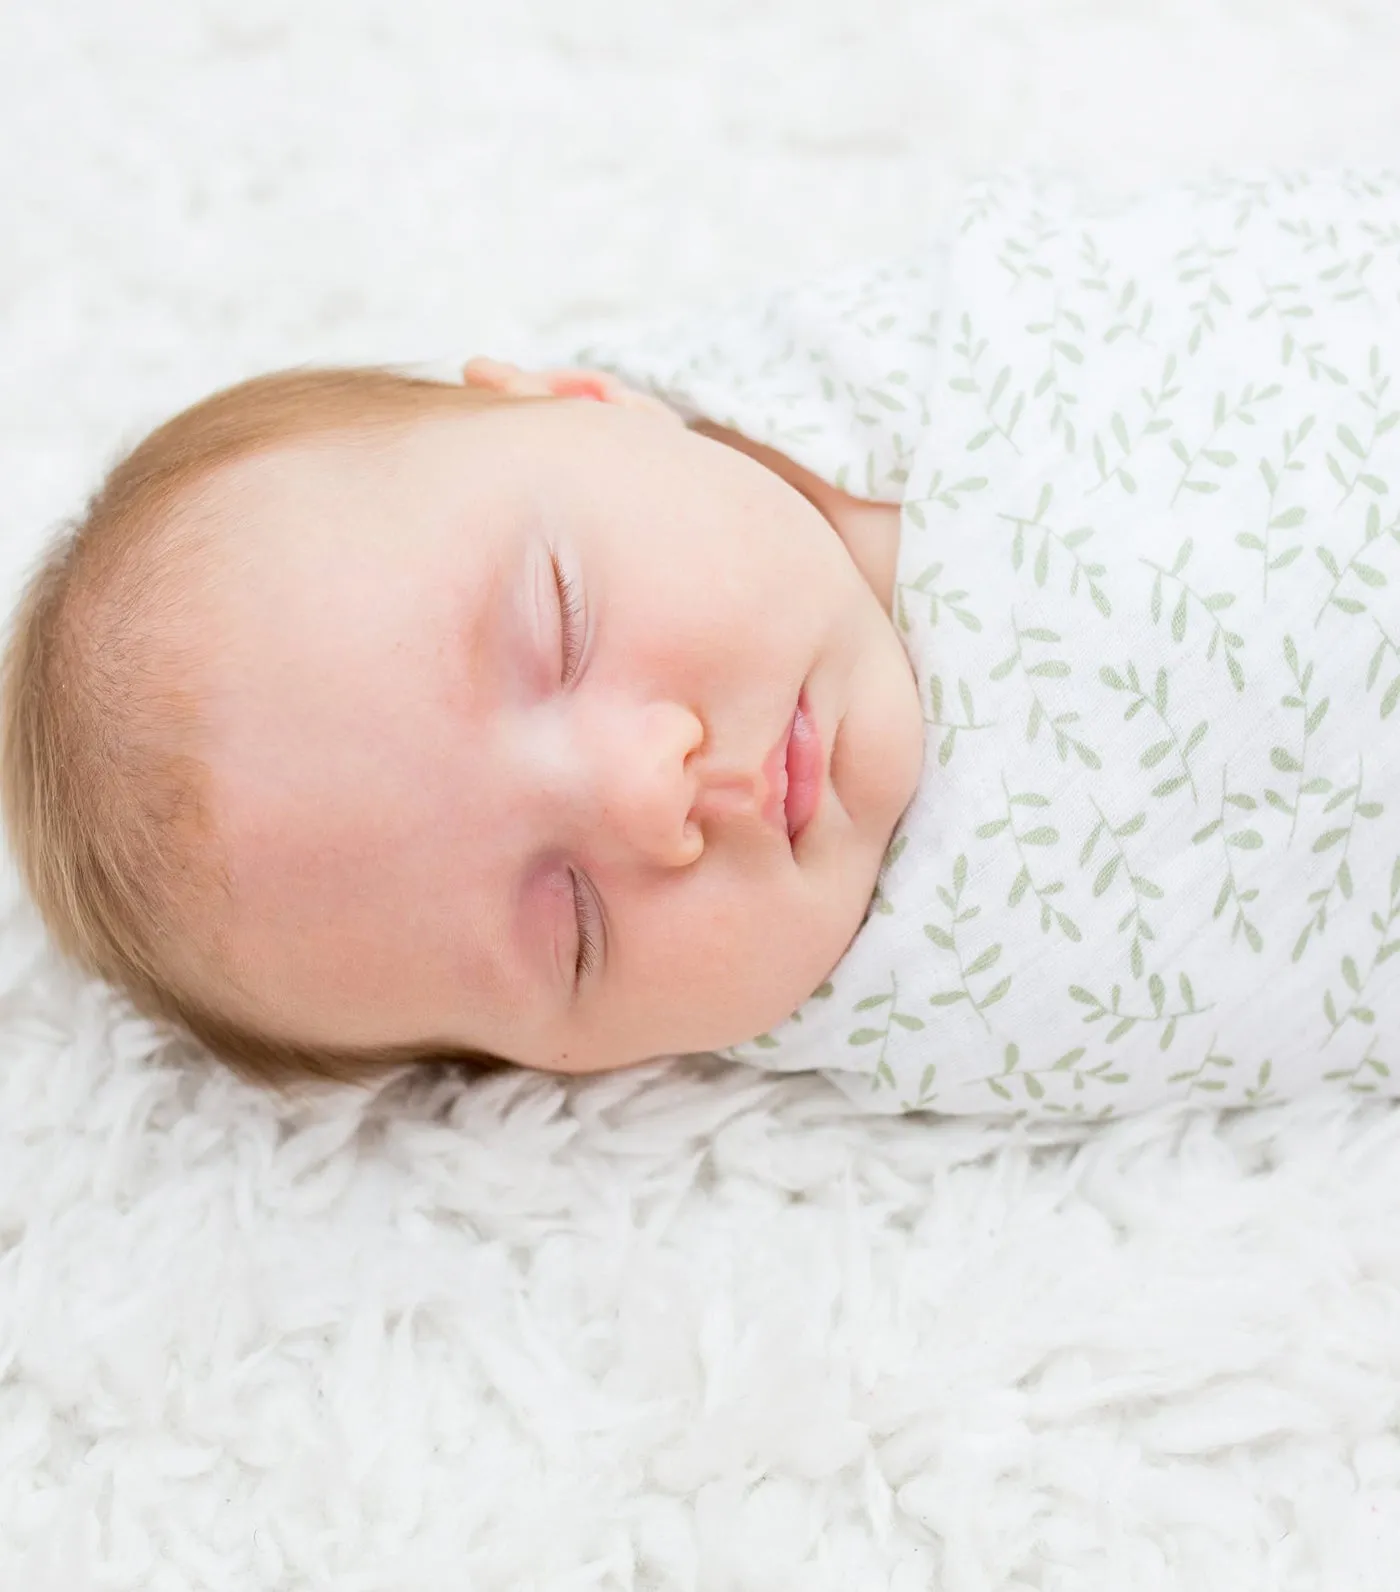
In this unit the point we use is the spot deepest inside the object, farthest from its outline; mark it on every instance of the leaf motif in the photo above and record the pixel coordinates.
(994, 994)
(986, 960)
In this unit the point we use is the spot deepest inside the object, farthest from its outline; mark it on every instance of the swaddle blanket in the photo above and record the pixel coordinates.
(1149, 465)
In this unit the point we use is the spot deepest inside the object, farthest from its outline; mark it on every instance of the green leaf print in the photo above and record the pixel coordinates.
(1119, 428)
(1062, 335)
(935, 717)
(1362, 1078)
(1131, 315)
(1242, 838)
(1043, 541)
(1350, 465)
(925, 587)
(1013, 1074)
(1276, 519)
(1285, 301)
(1117, 866)
(1311, 715)
(1344, 274)
(983, 201)
(1246, 195)
(887, 1004)
(1018, 257)
(1374, 541)
(1061, 725)
(1222, 639)
(1180, 772)
(946, 938)
(971, 350)
(1199, 264)
(1337, 839)
(949, 494)
(1200, 1077)
(1385, 647)
(1357, 981)
(1121, 440)
(1123, 1022)
(1035, 835)
(1192, 479)
(879, 901)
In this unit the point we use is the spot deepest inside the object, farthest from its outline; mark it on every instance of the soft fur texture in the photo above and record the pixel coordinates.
(684, 1327)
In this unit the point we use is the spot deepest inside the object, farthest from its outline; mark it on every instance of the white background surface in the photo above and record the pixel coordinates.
(669, 1330)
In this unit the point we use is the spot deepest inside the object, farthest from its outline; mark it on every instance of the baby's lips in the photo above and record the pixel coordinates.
(775, 779)
(806, 770)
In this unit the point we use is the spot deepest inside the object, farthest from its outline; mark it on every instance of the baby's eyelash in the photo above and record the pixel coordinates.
(570, 613)
(587, 958)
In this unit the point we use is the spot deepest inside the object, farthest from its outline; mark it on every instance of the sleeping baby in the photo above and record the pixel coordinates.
(972, 678)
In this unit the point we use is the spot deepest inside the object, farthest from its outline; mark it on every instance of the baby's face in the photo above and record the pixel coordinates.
(501, 712)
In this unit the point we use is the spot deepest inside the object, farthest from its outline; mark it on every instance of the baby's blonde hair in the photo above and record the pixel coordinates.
(103, 788)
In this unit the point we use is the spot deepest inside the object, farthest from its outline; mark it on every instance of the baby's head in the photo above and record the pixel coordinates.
(366, 719)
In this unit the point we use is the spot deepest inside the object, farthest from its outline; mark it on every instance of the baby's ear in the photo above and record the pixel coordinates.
(565, 383)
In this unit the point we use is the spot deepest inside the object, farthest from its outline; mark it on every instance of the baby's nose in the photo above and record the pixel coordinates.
(647, 785)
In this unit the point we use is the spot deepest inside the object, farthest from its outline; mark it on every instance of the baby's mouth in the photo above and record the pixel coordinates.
(804, 770)
(793, 774)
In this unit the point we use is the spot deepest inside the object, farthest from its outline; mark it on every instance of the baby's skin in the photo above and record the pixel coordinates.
(562, 731)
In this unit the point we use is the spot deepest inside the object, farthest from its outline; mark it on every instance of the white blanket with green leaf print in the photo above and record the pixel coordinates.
(1149, 578)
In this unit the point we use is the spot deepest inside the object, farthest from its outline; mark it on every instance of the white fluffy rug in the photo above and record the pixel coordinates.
(684, 1328)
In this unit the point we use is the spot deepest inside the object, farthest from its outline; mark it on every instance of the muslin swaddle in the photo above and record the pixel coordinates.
(1149, 465)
